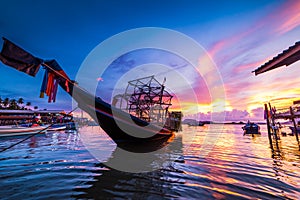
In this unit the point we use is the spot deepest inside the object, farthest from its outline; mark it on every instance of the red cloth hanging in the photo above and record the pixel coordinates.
(50, 86)
(67, 86)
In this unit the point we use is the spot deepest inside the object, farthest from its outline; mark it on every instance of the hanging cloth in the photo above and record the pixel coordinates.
(54, 90)
(52, 79)
(50, 85)
(44, 84)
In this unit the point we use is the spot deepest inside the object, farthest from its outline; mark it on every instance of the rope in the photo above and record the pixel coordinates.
(63, 76)
(2, 150)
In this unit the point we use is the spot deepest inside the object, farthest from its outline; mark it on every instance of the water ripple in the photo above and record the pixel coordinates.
(58, 166)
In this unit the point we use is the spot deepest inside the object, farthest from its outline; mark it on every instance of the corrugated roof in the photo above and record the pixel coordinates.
(287, 57)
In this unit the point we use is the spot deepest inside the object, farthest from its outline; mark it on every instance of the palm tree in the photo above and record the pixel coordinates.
(28, 104)
(6, 102)
(35, 107)
(20, 102)
(13, 105)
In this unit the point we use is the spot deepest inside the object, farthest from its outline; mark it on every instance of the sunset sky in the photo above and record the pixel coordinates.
(238, 36)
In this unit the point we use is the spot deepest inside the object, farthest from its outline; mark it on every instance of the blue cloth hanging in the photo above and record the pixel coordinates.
(44, 84)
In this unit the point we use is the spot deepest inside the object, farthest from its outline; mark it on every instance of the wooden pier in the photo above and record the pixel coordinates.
(272, 115)
(292, 113)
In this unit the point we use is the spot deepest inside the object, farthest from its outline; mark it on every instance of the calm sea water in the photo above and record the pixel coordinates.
(58, 166)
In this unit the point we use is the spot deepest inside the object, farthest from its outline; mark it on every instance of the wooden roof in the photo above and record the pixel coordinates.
(287, 57)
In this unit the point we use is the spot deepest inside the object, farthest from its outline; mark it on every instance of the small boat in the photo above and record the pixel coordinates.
(20, 130)
(53, 127)
(57, 127)
(251, 128)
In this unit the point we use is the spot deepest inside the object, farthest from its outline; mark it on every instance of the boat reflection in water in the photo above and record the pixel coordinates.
(129, 161)
(151, 182)
(233, 169)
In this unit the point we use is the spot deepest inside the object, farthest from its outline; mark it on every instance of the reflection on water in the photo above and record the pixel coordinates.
(58, 166)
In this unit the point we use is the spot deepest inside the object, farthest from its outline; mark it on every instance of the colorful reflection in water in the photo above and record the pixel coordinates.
(58, 166)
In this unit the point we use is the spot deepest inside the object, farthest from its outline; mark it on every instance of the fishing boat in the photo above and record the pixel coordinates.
(251, 128)
(126, 129)
(63, 126)
(21, 130)
(57, 127)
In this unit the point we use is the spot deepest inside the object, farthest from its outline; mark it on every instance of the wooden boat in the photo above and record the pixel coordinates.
(53, 127)
(62, 126)
(57, 127)
(251, 128)
(126, 130)
(19, 130)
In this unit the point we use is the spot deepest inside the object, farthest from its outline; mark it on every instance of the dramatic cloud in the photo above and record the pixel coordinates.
(290, 16)
(239, 54)
(234, 115)
(238, 38)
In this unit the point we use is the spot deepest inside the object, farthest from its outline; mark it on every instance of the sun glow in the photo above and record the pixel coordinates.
(220, 105)
(194, 108)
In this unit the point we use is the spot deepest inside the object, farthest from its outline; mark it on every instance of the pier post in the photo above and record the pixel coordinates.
(268, 125)
(295, 125)
(275, 130)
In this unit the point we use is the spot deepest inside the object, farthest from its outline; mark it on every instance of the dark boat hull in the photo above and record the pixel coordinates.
(119, 125)
(127, 131)
(251, 129)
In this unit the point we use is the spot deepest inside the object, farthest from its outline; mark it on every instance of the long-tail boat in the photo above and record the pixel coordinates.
(128, 131)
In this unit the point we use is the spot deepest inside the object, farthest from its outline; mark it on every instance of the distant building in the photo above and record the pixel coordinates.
(10, 117)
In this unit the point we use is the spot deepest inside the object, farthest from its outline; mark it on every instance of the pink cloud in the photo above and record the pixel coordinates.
(250, 66)
(257, 113)
(199, 95)
(239, 54)
(234, 115)
(290, 16)
(218, 46)
(284, 18)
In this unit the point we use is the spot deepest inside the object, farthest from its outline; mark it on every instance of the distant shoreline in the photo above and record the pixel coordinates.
(193, 121)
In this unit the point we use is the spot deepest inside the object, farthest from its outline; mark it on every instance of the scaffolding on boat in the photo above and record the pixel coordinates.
(147, 99)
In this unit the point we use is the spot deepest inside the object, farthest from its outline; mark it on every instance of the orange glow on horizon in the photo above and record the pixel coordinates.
(189, 108)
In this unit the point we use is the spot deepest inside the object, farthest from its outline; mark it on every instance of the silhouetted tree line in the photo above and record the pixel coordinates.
(13, 104)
